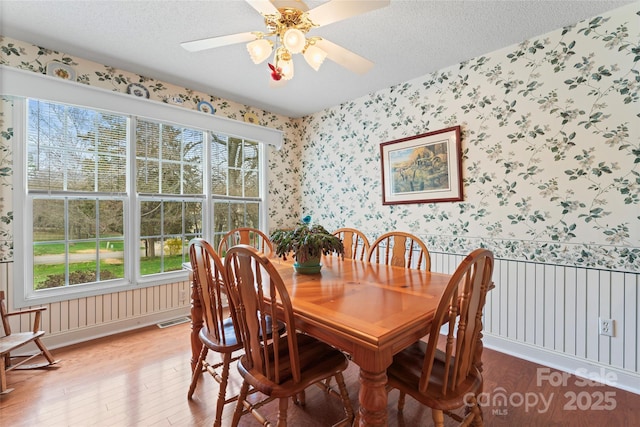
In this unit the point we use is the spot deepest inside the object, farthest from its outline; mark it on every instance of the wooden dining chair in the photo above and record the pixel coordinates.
(448, 379)
(246, 236)
(356, 244)
(282, 366)
(400, 249)
(219, 332)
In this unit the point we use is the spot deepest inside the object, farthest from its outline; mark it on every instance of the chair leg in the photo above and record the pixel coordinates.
(197, 372)
(401, 401)
(244, 390)
(348, 409)
(3, 376)
(45, 351)
(438, 417)
(478, 421)
(299, 399)
(282, 412)
(223, 389)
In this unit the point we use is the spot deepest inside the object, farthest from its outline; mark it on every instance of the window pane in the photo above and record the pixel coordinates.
(251, 158)
(82, 219)
(48, 220)
(70, 256)
(192, 182)
(112, 261)
(111, 219)
(172, 218)
(219, 165)
(150, 218)
(235, 167)
(68, 146)
(148, 176)
(166, 228)
(252, 215)
(171, 143)
(147, 137)
(168, 159)
(221, 217)
(237, 215)
(193, 219)
(173, 254)
(251, 184)
(171, 179)
(111, 239)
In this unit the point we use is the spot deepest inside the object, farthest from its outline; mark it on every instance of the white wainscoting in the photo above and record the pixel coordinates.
(70, 322)
(549, 314)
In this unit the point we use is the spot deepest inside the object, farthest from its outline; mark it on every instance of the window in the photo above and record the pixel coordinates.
(76, 167)
(112, 200)
(169, 181)
(235, 184)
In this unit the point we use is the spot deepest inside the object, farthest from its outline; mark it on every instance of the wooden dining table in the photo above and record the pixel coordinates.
(370, 311)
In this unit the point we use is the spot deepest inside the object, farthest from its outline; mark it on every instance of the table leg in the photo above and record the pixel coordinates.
(373, 398)
(196, 322)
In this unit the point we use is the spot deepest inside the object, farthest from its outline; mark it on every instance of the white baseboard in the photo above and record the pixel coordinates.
(88, 333)
(624, 380)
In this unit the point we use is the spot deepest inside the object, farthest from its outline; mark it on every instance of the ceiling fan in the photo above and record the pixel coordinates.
(287, 23)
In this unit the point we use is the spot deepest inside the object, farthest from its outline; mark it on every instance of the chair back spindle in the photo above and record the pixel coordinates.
(400, 249)
(245, 236)
(356, 244)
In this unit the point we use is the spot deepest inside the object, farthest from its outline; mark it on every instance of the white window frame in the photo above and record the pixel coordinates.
(23, 84)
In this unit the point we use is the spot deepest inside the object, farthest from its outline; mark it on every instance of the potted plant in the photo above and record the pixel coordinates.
(307, 243)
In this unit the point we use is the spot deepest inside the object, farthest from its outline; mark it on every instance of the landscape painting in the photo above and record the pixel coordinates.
(423, 168)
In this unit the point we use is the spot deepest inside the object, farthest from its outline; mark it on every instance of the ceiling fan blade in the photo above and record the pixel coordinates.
(264, 7)
(337, 10)
(344, 57)
(213, 42)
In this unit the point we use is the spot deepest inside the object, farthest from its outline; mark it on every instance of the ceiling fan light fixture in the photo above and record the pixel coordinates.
(314, 56)
(259, 50)
(293, 39)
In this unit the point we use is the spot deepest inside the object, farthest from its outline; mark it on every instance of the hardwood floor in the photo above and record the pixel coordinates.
(141, 379)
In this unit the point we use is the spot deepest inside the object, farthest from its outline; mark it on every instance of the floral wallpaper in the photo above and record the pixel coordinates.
(551, 146)
(6, 212)
(551, 150)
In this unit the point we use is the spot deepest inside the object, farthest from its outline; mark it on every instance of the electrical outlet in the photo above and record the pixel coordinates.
(606, 327)
(182, 295)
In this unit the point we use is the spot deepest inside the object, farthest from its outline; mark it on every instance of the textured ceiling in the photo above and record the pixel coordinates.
(405, 40)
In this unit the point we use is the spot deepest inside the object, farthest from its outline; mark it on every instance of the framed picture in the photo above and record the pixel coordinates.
(425, 168)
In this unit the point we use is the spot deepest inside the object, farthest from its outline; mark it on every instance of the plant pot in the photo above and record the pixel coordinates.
(310, 266)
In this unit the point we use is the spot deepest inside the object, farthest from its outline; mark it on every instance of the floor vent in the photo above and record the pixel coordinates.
(173, 322)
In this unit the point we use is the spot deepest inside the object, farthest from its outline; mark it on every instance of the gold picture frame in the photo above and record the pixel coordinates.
(425, 168)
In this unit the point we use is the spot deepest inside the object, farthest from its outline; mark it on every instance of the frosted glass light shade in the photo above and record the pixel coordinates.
(259, 50)
(287, 69)
(294, 40)
(314, 56)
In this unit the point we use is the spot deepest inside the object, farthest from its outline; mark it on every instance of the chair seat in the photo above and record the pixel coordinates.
(310, 352)
(406, 370)
(231, 342)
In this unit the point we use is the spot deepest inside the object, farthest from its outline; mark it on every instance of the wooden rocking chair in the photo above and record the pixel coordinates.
(12, 341)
